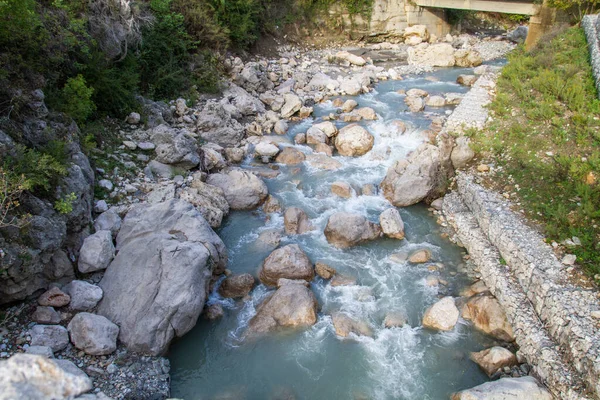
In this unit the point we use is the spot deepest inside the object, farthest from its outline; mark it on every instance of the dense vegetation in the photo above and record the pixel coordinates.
(545, 140)
(76, 51)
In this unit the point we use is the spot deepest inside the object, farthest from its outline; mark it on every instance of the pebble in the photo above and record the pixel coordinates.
(130, 145)
(569, 259)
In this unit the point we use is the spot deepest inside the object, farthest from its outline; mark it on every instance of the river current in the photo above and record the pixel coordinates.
(213, 361)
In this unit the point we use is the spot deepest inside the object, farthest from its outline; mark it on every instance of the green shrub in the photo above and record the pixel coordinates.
(206, 75)
(240, 18)
(576, 8)
(40, 169)
(65, 205)
(201, 24)
(115, 83)
(11, 187)
(77, 99)
(19, 22)
(165, 53)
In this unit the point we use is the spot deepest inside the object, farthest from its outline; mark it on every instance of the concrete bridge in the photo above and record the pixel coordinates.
(541, 16)
(391, 17)
(506, 6)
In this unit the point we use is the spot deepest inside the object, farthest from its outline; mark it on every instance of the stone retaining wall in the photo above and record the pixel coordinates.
(591, 26)
(551, 317)
(472, 111)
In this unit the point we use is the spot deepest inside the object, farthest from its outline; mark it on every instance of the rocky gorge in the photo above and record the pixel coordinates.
(278, 211)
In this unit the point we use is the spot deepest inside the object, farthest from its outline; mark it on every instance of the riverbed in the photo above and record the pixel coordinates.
(216, 361)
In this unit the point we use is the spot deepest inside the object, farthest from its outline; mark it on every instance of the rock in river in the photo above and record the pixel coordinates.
(324, 270)
(290, 156)
(293, 305)
(526, 387)
(344, 325)
(392, 224)
(156, 286)
(286, 262)
(488, 316)
(296, 221)
(441, 316)
(354, 140)
(243, 190)
(494, 358)
(346, 230)
(236, 286)
(417, 178)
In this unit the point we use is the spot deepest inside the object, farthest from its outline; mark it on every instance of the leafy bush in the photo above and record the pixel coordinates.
(65, 205)
(77, 99)
(115, 83)
(41, 169)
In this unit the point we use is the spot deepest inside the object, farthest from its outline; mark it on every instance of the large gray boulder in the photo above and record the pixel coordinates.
(216, 125)
(417, 178)
(288, 262)
(243, 101)
(84, 296)
(54, 336)
(175, 147)
(108, 221)
(353, 140)
(291, 105)
(94, 334)
(208, 199)
(156, 286)
(243, 190)
(293, 305)
(96, 253)
(34, 377)
(526, 387)
(345, 230)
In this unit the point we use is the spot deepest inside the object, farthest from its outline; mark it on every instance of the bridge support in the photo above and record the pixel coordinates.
(434, 18)
(540, 24)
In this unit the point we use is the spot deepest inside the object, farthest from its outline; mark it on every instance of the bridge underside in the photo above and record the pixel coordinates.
(507, 7)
